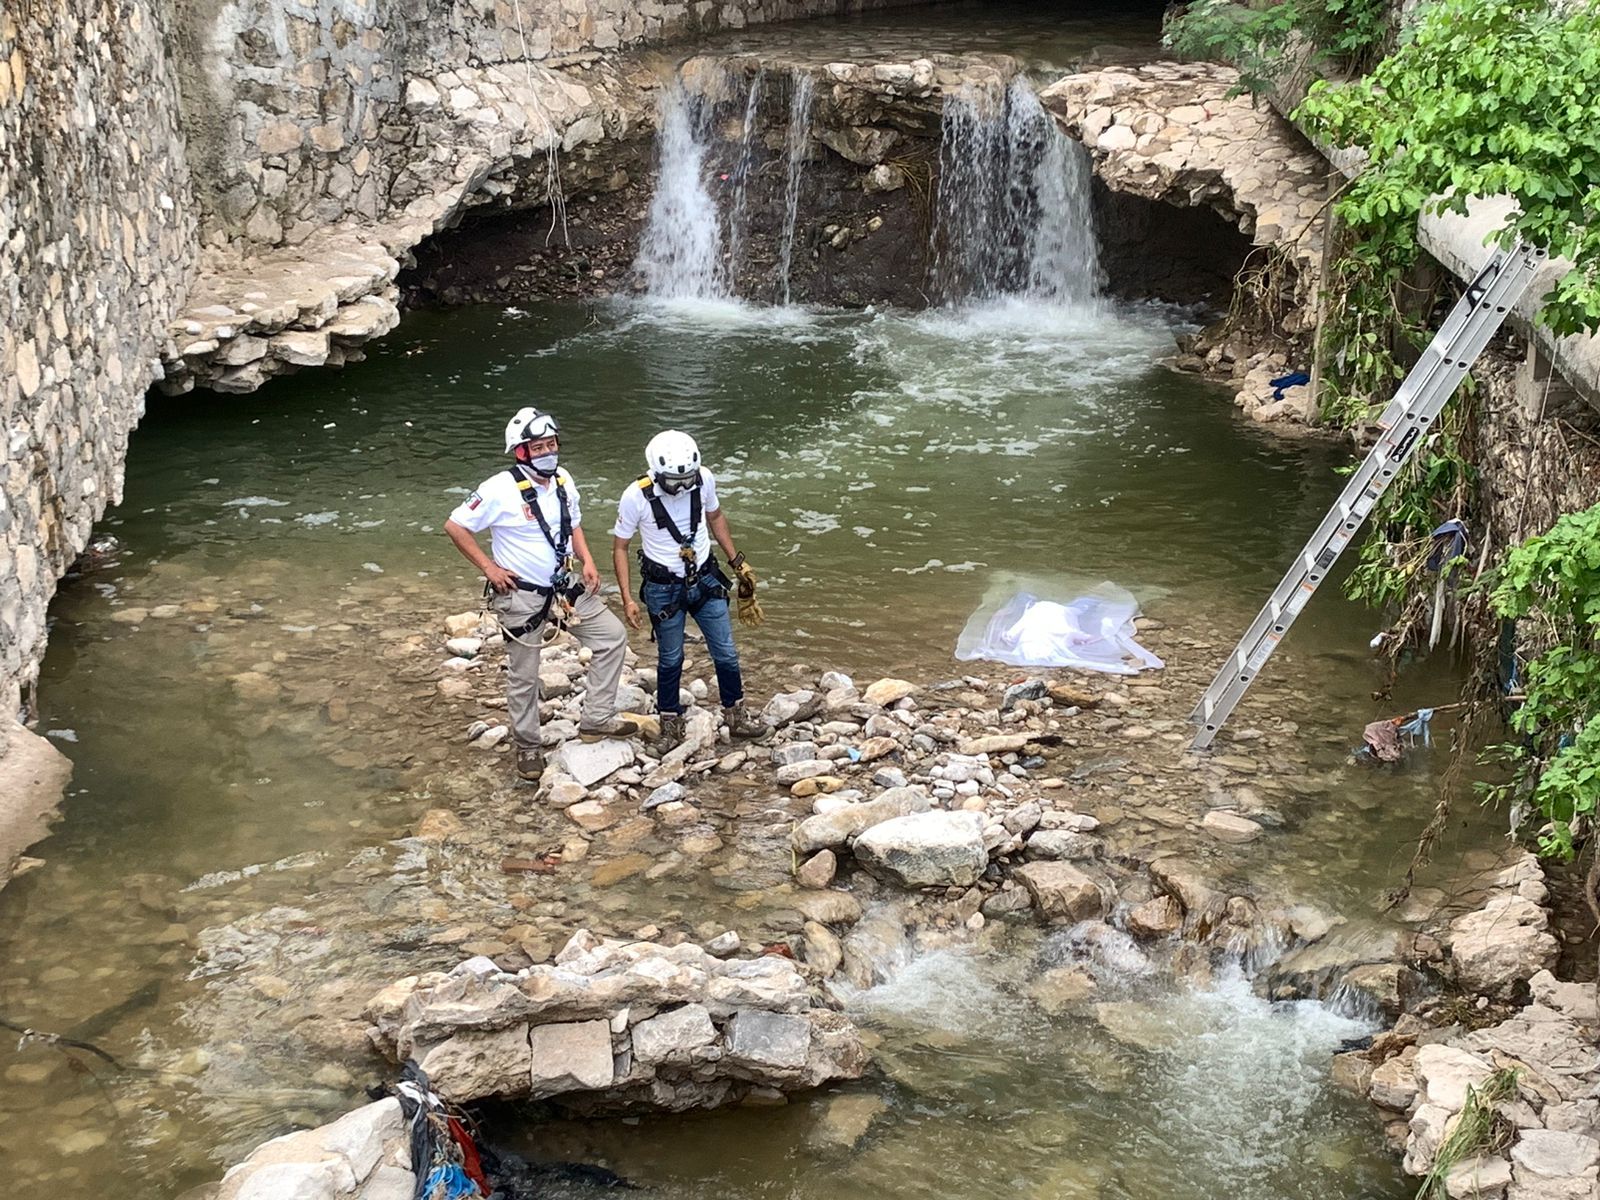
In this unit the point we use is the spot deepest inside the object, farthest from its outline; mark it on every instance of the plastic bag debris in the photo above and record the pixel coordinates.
(1093, 632)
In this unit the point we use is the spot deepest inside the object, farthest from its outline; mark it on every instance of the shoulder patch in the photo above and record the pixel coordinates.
(473, 501)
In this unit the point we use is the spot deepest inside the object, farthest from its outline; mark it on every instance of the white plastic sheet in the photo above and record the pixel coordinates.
(1093, 632)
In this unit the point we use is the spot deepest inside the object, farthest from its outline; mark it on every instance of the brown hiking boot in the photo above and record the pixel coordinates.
(742, 723)
(671, 734)
(616, 727)
(530, 764)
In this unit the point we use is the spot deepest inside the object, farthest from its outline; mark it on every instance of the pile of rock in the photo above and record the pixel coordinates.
(619, 1025)
(1541, 1060)
(365, 1154)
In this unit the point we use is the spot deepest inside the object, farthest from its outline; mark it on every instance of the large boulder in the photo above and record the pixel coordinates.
(930, 849)
(830, 830)
(1501, 945)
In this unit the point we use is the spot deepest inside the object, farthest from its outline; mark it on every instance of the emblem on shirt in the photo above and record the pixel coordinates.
(527, 512)
(474, 501)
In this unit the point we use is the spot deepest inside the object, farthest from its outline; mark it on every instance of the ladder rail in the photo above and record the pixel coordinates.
(1421, 397)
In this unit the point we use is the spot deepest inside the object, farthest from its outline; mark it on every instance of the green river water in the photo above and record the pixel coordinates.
(245, 749)
(250, 738)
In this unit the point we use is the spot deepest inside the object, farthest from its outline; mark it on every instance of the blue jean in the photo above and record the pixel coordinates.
(712, 617)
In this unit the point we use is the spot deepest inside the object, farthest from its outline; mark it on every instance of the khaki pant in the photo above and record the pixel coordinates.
(599, 629)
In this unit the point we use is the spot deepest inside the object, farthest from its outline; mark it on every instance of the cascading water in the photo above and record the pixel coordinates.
(1013, 215)
(679, 255)
(798, 143)
(739, 220)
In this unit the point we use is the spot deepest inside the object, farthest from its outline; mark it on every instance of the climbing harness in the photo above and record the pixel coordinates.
(559, 610)
(651, 571)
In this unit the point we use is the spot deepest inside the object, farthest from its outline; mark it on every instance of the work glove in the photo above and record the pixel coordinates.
(749, 608)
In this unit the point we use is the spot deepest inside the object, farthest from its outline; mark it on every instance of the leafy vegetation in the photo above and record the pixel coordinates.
(1550, 584)
(1346, 35)
(1479, 1130)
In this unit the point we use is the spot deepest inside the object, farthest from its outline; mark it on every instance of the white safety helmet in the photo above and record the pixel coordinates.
(528, 424)
(673, 460)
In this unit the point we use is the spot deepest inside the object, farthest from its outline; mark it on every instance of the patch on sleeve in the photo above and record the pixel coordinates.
(473, 501)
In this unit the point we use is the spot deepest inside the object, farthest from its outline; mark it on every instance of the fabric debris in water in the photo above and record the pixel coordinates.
(1091, 632)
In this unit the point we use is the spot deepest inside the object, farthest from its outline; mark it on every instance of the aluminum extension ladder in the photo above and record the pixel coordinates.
(1422, 396)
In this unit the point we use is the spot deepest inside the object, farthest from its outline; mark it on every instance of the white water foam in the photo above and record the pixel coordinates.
(679, 253)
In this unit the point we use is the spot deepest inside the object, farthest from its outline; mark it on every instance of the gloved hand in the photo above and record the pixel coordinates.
(749, 607)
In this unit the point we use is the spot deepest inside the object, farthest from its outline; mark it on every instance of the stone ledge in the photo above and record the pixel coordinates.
(1170, 132)
(614, 1025)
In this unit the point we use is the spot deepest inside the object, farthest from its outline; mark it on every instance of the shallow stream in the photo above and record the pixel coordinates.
(240, 692)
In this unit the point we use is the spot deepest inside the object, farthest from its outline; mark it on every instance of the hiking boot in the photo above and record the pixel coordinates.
(616, 727)
(671, 734)
(742, 723)
(530, 764)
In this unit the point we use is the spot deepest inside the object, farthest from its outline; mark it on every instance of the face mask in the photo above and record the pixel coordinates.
(545, 464)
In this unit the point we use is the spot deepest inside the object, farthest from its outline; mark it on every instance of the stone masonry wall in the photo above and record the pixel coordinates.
(208, 153)
(97, 245)
(293, 107)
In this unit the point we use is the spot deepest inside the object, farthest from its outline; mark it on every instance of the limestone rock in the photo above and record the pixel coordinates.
(776, 1043)
(1501, 944)
(1202, 903)
(1060, 988)
(1393, 1085)
(673, 1036)
(1061, 890)
(1062, 845)
(831, 830)
(929, 849)
(572, 1057)
(1549, 1154)
(590, 762)
(863, 145)
(475, 1064)
(818, 870)
(888, 691)
(1157, 917)
(1478, 1178)
(995, 743)
(844, 1121)
(1230, 827)
(787, 707)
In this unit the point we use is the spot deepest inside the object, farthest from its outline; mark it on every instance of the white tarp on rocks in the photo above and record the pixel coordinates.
(1093, 632)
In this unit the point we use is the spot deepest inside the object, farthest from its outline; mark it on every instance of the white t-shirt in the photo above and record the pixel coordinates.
(634, 514)
(517, 543)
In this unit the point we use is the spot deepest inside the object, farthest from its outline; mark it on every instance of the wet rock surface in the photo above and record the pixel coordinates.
(617, 1025)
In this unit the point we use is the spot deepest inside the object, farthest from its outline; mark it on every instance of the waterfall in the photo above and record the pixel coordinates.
(678, 255)
(1012, 216)
(798, 142)
(739, 220)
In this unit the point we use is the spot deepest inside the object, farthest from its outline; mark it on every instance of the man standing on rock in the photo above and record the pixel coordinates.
(675, 510)
(535, 527)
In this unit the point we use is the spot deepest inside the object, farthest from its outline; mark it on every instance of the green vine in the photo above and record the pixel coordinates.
(1481, 98)
(1550, 585)
(1344, 35)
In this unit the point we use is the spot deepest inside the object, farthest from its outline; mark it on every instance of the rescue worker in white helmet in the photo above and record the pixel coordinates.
(674, 509)
(541, 571)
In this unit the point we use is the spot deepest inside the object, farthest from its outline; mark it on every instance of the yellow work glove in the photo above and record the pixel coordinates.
(749, 607)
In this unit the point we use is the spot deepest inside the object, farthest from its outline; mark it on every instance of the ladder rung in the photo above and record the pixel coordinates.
(1424, 392)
